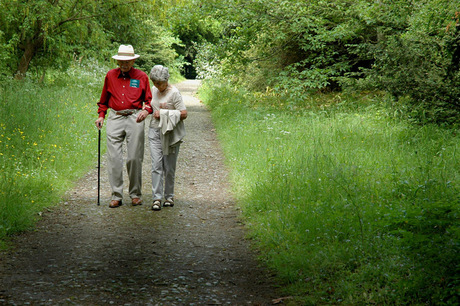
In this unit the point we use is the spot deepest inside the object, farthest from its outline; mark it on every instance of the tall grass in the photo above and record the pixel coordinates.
(47, 140)
(348, 204)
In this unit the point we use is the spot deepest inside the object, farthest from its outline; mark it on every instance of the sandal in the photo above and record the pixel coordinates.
(115, 203)
(168, 203)
(156, 205)
(136, 201)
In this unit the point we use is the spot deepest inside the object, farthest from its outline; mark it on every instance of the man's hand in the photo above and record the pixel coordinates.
(142, 115)
(99, 122)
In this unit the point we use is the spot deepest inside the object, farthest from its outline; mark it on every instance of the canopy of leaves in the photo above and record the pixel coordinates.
(409, 48)
(50, 33)
(194, 29)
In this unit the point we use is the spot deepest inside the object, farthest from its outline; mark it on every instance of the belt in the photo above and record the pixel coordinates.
(126, 112)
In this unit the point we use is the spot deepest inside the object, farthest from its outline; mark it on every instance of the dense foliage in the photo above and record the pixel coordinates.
(41, 34)
(194, 30)
(408, 48)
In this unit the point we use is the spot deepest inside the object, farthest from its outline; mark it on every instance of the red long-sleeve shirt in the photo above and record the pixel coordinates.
(130, 90)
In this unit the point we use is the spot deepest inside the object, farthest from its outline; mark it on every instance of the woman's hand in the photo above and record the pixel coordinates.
(183, 114)
(142, 115)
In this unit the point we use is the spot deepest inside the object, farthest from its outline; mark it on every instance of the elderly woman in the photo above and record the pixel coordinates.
(165, 135)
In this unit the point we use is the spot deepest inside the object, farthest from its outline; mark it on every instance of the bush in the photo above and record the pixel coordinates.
(419, 65)
(410, 49)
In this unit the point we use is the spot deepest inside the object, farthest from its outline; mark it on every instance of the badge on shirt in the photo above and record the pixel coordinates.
(134, 83)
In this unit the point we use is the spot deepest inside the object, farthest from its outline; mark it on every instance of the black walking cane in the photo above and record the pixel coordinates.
(99, 167)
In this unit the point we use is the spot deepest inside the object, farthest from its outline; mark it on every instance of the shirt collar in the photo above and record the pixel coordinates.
(126, 74)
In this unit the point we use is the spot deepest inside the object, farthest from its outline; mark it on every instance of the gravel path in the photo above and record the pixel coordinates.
(192, 254)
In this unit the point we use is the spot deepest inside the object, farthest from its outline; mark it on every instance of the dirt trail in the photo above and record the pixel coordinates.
(192, 254)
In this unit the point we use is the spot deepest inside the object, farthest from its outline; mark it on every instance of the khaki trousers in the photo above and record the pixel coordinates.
(119, 129)
(163, 167)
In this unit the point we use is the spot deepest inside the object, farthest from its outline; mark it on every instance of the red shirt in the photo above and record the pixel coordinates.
(125, 91)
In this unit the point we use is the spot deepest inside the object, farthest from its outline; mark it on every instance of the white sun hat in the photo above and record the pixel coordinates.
(125, 53)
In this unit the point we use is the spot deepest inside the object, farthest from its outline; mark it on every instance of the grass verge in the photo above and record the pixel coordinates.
(348, 204)
(47, 141)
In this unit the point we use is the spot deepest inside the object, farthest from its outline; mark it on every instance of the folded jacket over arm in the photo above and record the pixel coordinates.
(172, 129)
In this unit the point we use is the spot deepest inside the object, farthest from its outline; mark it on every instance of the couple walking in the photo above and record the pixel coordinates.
(128, 94)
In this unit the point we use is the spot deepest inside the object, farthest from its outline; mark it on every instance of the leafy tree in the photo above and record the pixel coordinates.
(160, 50)
(408, 48)
(419, 64)
(290, 44)
(53, 32)
(193, 29)
(33, 27)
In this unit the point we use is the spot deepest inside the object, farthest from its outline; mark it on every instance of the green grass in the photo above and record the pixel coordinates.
(47, 141)
(348, 204)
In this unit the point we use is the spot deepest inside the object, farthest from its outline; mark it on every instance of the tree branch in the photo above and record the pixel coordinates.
(74, 18)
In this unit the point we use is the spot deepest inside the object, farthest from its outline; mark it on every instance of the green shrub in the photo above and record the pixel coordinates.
(409, 49)
(419, 65)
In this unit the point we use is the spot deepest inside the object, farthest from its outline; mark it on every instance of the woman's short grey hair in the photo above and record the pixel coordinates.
(159, 73)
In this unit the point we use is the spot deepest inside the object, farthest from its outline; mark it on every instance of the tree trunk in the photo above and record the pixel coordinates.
(29, 53)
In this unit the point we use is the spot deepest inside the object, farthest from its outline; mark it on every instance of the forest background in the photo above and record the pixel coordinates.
(339, 121)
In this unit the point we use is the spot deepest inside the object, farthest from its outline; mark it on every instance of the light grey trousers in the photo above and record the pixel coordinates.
(163, 167)
(119, 129)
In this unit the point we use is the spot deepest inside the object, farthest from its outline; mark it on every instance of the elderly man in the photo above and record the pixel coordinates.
(127, 93)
